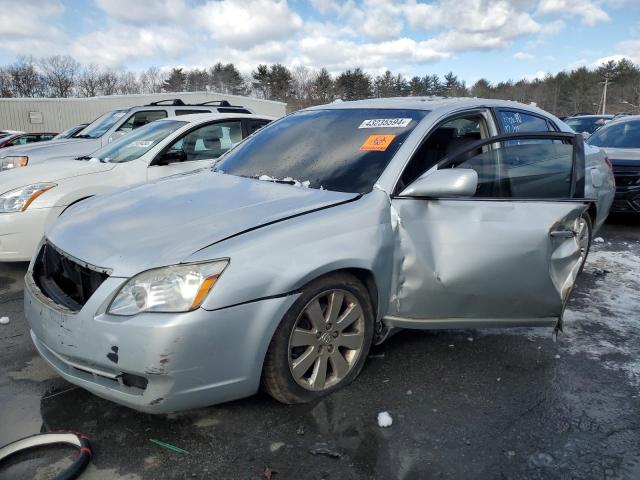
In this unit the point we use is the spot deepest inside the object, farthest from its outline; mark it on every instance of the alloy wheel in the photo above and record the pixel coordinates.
(326, 340)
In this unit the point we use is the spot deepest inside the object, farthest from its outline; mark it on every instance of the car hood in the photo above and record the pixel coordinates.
(52, 146)
(49, 172)
(164, 222)
(617, 154)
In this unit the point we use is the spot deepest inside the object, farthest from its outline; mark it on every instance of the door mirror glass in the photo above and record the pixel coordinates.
(171, 156)
(450, 182)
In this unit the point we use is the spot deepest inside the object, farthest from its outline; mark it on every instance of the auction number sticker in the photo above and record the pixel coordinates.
(385, 123)
(377, 143)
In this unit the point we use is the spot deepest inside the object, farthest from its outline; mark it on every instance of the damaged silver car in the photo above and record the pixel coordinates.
(321, 234)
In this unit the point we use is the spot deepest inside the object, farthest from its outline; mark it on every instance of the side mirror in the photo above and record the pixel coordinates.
(585, 135)
(171, 156)
(116, 135)
(450, 182)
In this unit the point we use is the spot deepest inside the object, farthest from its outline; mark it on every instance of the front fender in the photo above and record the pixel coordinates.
(281, 258)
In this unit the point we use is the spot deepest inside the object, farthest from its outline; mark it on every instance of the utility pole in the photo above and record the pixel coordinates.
(604, 94)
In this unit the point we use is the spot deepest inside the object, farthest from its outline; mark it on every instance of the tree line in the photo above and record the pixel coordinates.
(577, 91)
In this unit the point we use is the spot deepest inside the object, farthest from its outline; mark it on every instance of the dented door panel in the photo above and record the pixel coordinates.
(483, 259)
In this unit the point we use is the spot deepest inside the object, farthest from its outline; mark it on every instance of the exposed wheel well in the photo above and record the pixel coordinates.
(592, 211)
(366, 277)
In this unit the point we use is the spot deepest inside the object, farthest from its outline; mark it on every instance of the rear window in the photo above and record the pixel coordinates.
(342, 150)
(588, 125)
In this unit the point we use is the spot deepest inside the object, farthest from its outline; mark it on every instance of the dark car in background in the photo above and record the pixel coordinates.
(620, 140)
(587, 123)
(24, 138)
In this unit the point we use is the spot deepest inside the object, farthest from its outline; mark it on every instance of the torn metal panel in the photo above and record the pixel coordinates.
(483, 259)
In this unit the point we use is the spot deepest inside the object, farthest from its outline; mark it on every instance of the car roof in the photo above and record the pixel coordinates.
(440, 104)
(626, 118)
(207, 117)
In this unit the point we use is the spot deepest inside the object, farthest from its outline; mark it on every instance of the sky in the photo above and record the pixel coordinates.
(492, 39)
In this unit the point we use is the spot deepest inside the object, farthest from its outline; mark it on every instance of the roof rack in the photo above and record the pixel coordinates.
(221, 103)
(174, 102)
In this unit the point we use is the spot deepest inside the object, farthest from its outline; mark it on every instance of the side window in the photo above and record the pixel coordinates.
(209, 141)
(445, 140)
(46, 136)
(141, 118)
(515, 169)
(189, 112)
(513, 121)
(254, 125)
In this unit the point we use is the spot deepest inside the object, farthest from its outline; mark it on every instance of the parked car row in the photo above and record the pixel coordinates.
(105, 129)
(279, 259)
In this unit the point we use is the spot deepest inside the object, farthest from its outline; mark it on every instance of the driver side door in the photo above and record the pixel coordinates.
(198, 148)
(508, 255)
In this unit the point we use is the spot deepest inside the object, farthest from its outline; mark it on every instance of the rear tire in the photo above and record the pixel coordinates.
(322, 342)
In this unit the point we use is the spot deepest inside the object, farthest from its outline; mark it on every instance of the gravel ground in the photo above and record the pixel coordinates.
(464, 404)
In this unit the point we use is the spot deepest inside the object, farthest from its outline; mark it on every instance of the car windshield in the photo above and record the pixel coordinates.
(343, 150)
(586, 124)
(139, 142)
(101, 125)
(68, 133)
(617, 135)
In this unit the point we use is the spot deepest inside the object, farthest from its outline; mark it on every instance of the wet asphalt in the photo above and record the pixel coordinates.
(465, 404)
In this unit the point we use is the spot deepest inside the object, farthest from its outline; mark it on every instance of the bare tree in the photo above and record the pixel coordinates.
(151, 80)
(5, 83)
(89, 81)
(127, 83)
(26, 81)
(60, 74)
(108, 82)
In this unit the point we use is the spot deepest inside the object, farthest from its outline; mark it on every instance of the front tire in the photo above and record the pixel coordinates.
(322, 342)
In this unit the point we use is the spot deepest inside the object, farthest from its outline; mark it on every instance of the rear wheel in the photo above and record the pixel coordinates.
(322, 342)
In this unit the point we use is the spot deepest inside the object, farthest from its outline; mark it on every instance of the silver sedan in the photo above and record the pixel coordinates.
(321, 234)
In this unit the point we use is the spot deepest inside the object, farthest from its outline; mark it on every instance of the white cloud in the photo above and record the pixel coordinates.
(523, 56)
(144, 11)
(588, 10)
(245, 24)
(28, 27)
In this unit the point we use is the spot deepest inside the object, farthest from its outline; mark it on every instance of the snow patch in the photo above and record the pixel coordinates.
(4, 320)
(384, 420)
(598, 240)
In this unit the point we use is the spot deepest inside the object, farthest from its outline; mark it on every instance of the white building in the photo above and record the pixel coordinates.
(56, 114)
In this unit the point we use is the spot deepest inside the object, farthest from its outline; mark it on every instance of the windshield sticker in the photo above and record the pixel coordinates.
(377, 143)
(385, 123)
(142, 143)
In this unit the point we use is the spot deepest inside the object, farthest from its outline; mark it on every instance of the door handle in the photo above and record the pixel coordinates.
(563, 233)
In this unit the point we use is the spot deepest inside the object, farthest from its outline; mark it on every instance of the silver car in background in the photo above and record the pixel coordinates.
(317, 236)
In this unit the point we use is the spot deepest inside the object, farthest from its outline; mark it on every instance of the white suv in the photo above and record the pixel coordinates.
(31, 198)
(105, 129)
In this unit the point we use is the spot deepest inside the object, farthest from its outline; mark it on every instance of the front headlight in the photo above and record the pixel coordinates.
(19, 199)
(178, 288)
(8, 163)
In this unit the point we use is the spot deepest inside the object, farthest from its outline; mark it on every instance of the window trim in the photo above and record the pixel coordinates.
(577, 192)
(167, 147)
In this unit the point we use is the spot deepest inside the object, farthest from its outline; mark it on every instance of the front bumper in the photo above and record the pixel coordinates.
(627, 199)
(20, 232)
(185, 360)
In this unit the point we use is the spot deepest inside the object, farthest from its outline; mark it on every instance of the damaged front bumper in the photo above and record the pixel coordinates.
(155, 363)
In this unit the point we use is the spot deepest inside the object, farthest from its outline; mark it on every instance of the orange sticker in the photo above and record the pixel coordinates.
(377, 143)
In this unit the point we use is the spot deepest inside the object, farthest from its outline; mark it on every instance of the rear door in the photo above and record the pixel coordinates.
(510, 254)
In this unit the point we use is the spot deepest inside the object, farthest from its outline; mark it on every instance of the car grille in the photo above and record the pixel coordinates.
(626, 175)
(64, 281)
